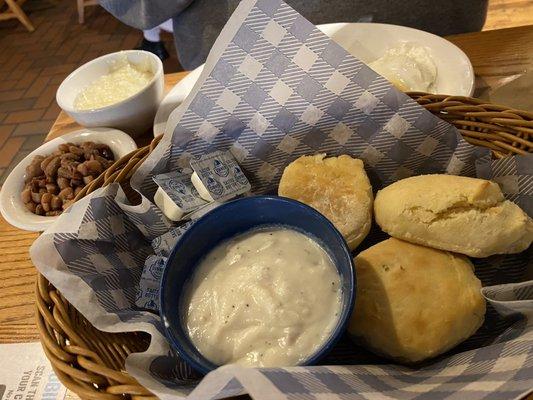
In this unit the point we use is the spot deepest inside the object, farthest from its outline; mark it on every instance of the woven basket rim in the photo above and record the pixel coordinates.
(91, 363)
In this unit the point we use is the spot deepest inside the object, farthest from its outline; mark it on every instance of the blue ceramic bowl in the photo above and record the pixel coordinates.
(232, 219)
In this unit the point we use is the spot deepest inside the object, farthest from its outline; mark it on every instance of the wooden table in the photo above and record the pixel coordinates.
(496, 55)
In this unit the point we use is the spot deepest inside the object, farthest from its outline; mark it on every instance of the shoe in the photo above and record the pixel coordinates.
(157, 48)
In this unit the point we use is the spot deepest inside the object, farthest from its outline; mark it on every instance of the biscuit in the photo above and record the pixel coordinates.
(455, 213)
(338, 187)
(414, 302)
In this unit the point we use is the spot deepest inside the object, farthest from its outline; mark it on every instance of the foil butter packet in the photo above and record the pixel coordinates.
(220, 175)
(148, 290)
(193, 216)
(178, 186)
(163, 244)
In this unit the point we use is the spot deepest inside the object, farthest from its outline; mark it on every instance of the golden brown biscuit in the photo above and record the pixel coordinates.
(337, 187)
(455, 213)
(413, 302)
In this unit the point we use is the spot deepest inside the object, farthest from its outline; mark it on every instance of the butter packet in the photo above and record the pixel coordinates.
(163, 244)
(148, 291)
(218, 177)
(176, 195)
(196, 214)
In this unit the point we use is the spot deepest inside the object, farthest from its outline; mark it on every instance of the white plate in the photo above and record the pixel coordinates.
(366, 41)
(11, 206)
(174, 98)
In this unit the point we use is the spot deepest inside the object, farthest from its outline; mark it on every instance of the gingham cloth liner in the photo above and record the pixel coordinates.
(274, 88)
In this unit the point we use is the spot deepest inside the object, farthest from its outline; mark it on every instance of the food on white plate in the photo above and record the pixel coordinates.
(408, 67)
(52, 182)
(123, 80)
(338, 187)
(455, 213)
(269, 297)
(414, 302)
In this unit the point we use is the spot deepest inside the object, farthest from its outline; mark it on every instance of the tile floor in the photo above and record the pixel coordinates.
(32, 65)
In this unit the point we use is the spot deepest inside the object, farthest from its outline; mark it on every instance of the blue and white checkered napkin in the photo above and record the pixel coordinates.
(274, 88)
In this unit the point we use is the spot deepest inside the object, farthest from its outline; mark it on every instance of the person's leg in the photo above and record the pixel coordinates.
(152, 40)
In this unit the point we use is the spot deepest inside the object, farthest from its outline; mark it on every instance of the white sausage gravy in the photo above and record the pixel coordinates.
(268, 297)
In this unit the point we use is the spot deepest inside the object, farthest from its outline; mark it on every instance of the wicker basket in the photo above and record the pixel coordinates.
(91, 363)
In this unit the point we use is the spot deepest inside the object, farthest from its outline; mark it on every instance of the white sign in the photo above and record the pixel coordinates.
(26, 374)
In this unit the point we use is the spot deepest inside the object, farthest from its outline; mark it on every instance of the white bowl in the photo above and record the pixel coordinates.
(11, 206)
(133, 115)
(367, 42)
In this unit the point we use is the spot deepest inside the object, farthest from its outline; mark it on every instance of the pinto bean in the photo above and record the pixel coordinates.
(52, 188)
(53, 213)
(56, 203)
(63, 183)
(30, 206)
(26, 195)
(66, 194)
(52, 166)
(53, 181)
(36, 197)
